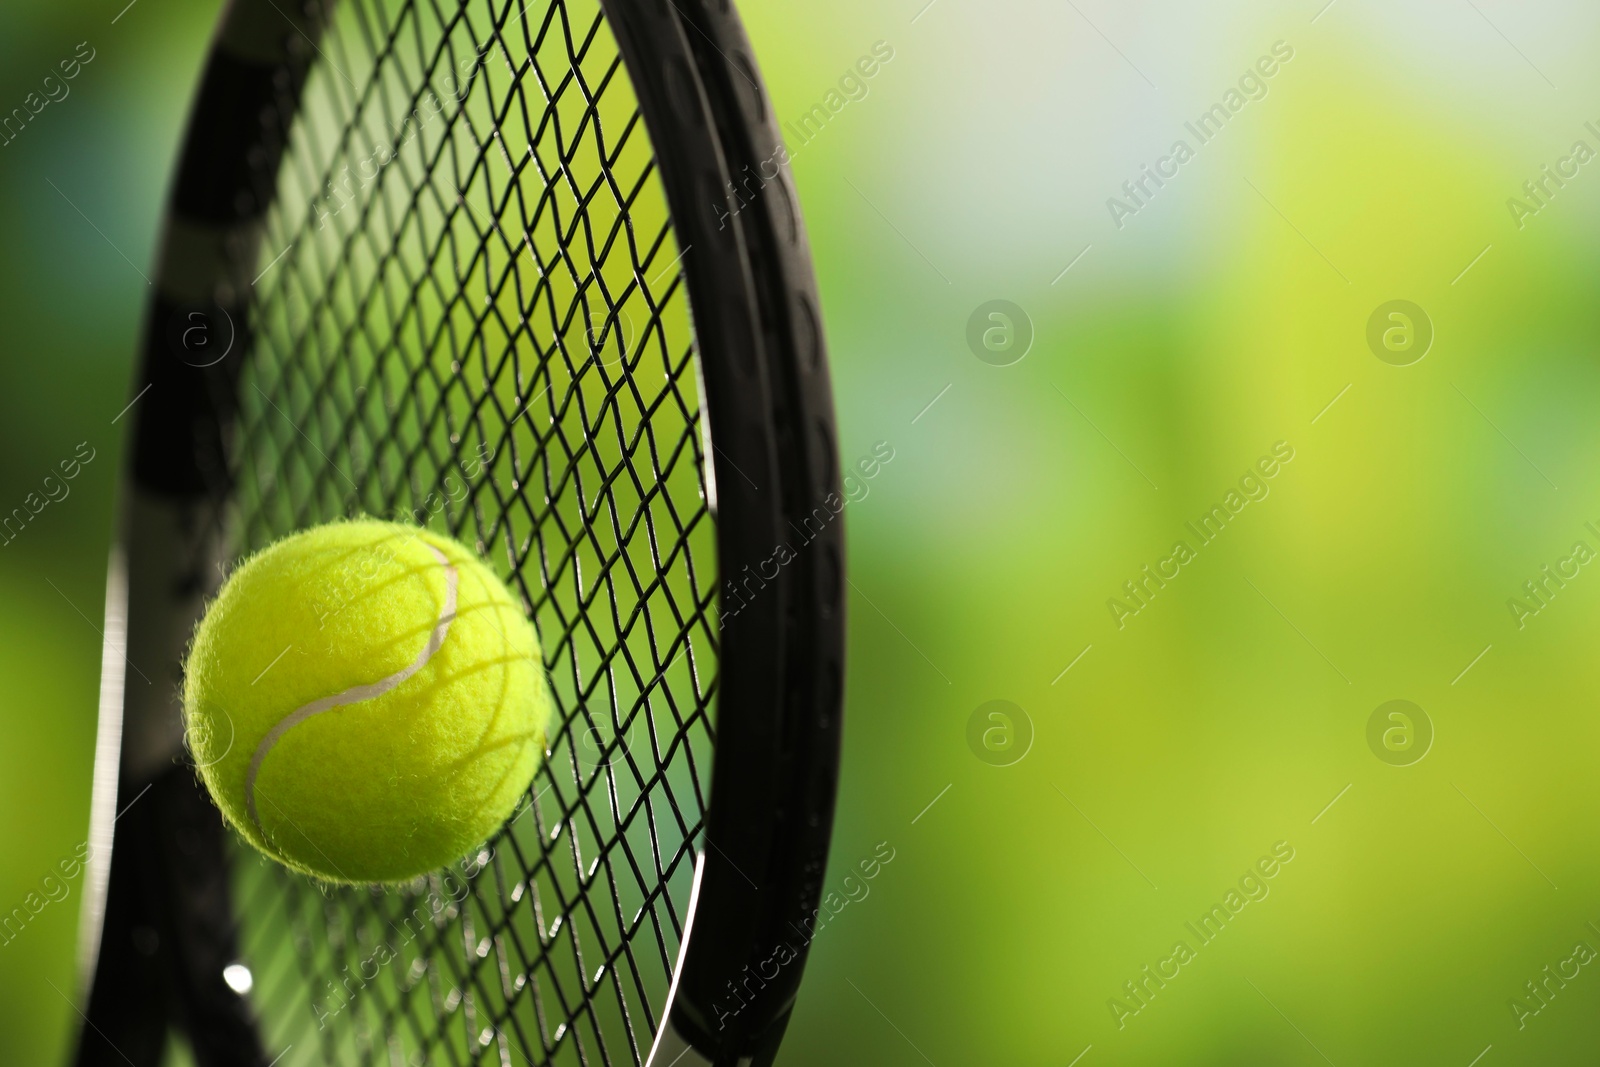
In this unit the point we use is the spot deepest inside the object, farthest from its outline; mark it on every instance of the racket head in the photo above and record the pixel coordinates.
(534, 276)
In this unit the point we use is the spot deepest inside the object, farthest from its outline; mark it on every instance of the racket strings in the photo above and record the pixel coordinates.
(469, 314)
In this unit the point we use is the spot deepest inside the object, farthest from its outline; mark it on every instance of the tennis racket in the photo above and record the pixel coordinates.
(531, 274)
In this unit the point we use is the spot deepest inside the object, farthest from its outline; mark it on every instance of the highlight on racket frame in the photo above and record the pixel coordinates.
(532, 274)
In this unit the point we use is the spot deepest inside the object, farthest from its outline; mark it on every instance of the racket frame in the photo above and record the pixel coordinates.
(158, 924)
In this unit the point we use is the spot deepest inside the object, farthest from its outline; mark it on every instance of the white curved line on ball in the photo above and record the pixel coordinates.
(355, 694)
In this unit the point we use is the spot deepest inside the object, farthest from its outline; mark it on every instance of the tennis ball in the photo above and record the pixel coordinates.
(365, 701)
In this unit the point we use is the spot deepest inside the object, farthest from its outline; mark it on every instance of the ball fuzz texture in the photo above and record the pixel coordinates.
(366, 701)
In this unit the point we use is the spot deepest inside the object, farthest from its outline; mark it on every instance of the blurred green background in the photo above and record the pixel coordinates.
(1228, 313)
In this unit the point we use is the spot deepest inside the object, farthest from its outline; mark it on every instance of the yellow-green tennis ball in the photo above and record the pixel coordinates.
(366, 701)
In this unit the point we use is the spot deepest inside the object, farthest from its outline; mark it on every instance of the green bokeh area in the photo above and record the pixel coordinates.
(1178, 752)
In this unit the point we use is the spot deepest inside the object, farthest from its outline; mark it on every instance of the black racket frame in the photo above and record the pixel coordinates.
(159, 924)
